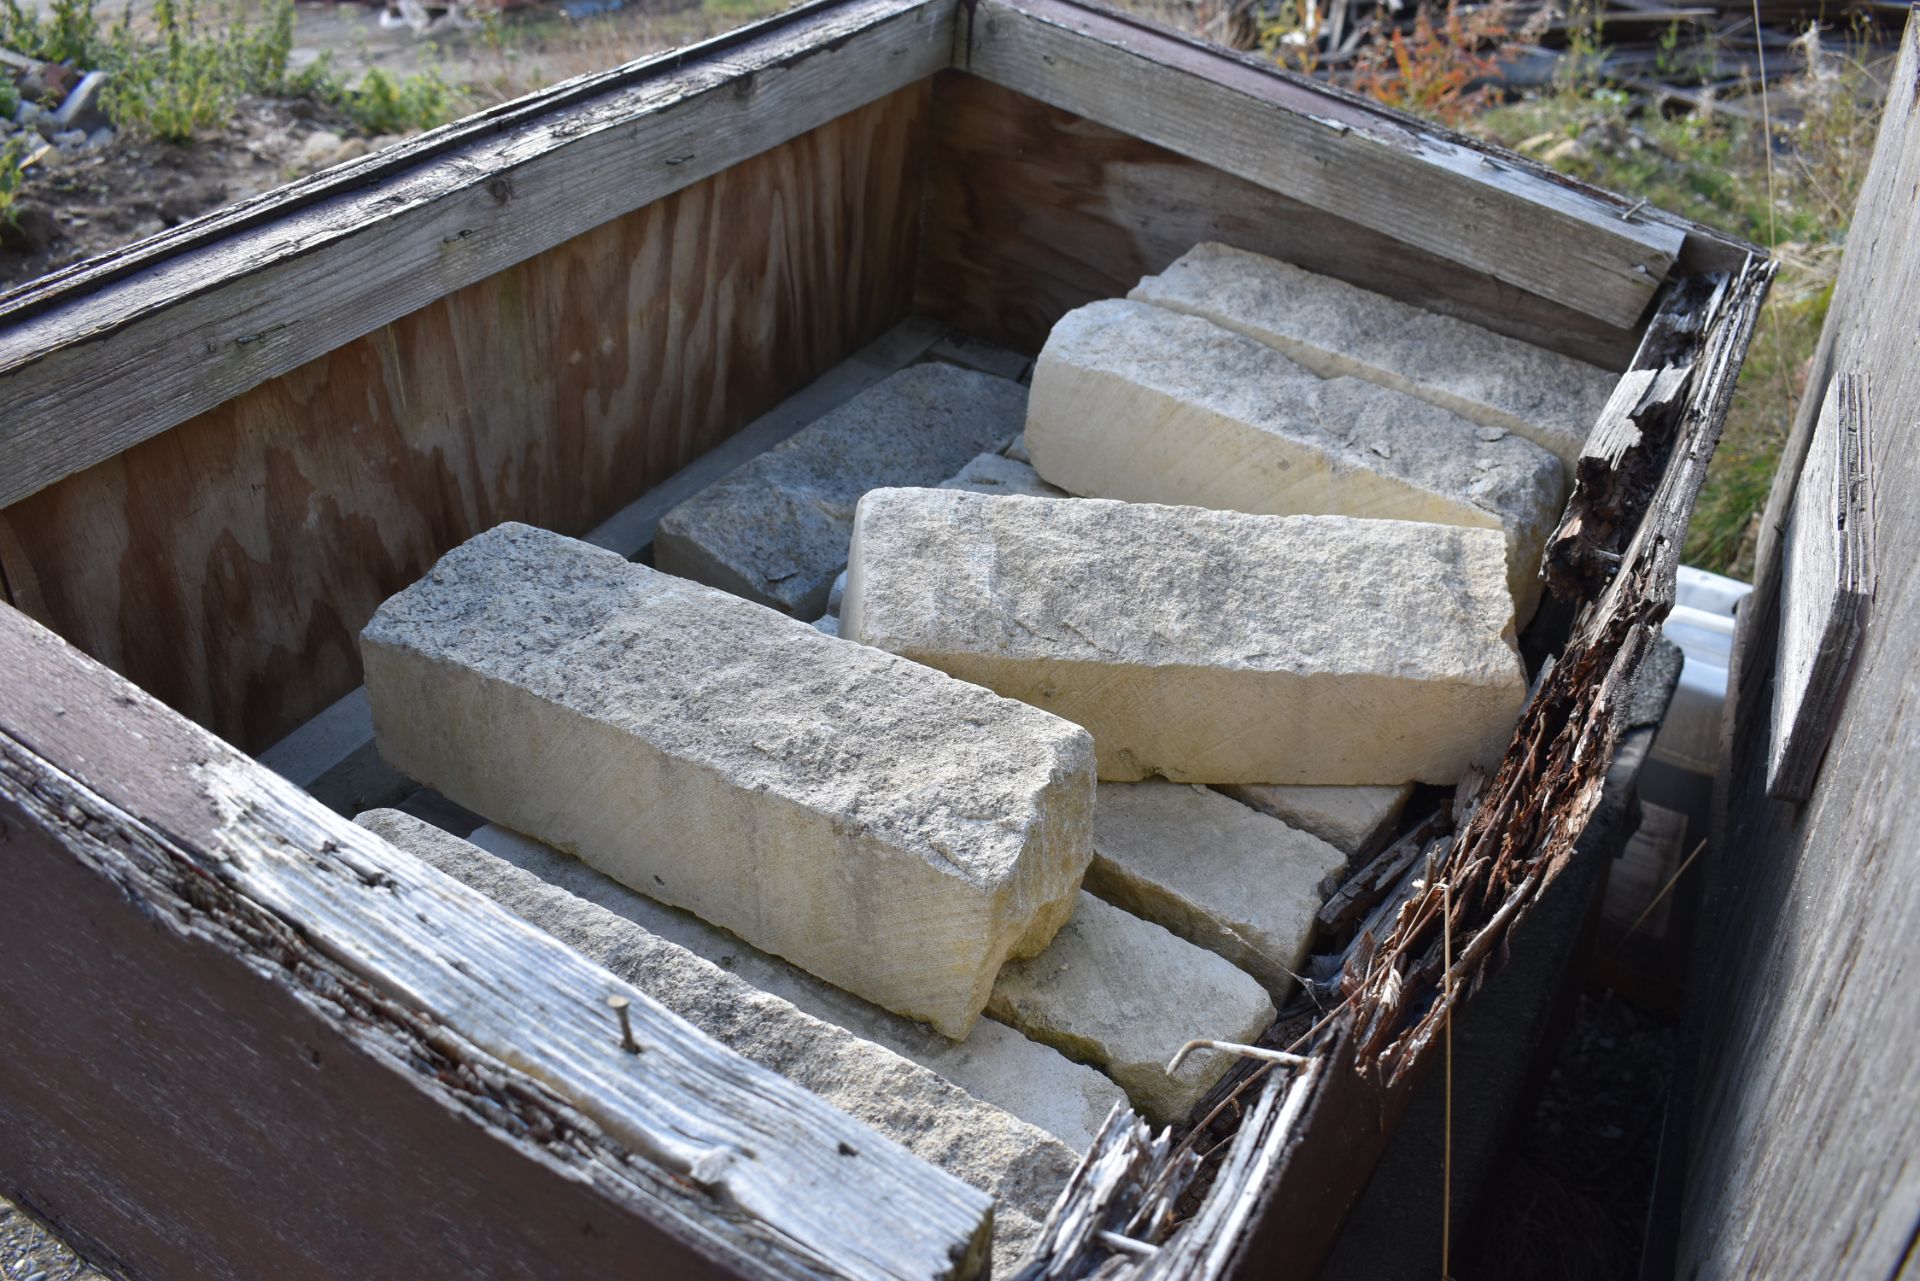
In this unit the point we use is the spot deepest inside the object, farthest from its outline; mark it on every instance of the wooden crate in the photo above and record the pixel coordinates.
(222, 448)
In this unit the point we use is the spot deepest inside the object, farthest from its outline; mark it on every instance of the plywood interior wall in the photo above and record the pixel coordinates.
(1033, 211)
(228, 564)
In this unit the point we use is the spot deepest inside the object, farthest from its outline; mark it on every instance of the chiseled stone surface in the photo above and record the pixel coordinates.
(1137, 402)
(999, 474)
(995, 1064)
(986, 474)
(1337, 329)
(1237, 882)
(1021, 1167)
(896, 832)
(1357, 821)
(1126, 994)
(774, 529)
(1205, 646)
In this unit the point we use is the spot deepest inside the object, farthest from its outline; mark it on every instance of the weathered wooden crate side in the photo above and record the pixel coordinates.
(1033, 211)
(1800, 1099)
(247, 1038)
(227, 564)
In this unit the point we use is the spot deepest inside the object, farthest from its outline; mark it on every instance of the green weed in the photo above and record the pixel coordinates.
(13, 158)
(69, 33)
(381, 103)
(1712, 165)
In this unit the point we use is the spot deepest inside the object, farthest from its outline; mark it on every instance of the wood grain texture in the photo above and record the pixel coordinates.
(1500, 215)
(245, 965)
(227, 565)
(1826, 586)
(1804, 1132)
(110, 353)
(1033, 211)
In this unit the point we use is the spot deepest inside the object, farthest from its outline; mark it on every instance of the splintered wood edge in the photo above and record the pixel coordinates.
(165, 331)
(727, 1140)
(1826, 587)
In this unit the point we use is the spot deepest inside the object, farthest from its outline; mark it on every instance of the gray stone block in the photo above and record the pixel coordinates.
(896, 832)
(1137, 402)
(1205, 646)
(1124, 993)
(1237, 882)
(1336, 329)
(1357, 821)
(774, 529)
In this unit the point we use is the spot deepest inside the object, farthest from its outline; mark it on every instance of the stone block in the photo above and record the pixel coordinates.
(896, 832)
(1357, 821)
(995, 1064)
(1336, 330)
(1205, 646)
(774, 529)
(999, 474)
(1237, 882)
(1125, 994)
(1137, 402)
(1021, 1167)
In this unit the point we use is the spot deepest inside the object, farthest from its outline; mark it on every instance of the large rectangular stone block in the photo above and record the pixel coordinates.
(1205, 646)
(1124, 993)
(1022, 1168)
(995, 1064)
(774, 529)
(1137, 402)
(1337, 330)
(1357, 821)
(1237, 882)
(896, 832)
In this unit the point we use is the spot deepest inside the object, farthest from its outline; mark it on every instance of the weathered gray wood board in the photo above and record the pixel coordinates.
(1805, 1123)
(1826, 586)
(1341, 155)
(1033, 211)
(226, 564)
(258, 1041)
(224, 303)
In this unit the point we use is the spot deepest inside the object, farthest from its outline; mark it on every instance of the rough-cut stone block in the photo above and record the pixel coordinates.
(1357, 821)
(1137, 402)
(774, 529)
(896, 832)
(1124, 993)
(995, 1064)
(1237, 882)
(986, 474)
(1022, 1168)
(1206, 646)
(1336, 330)
(998, 474)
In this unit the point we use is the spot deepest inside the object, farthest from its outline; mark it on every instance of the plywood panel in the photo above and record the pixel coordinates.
(1804, 1135)
(226, 565)
(1033, 211)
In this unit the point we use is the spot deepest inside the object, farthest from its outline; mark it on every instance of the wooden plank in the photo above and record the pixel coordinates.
(227, 565)
(1826, 587)
(1033, 211)
(97, 359)
(1497, 214)
(1801, 1130)
(273, 963)
(332, 756)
